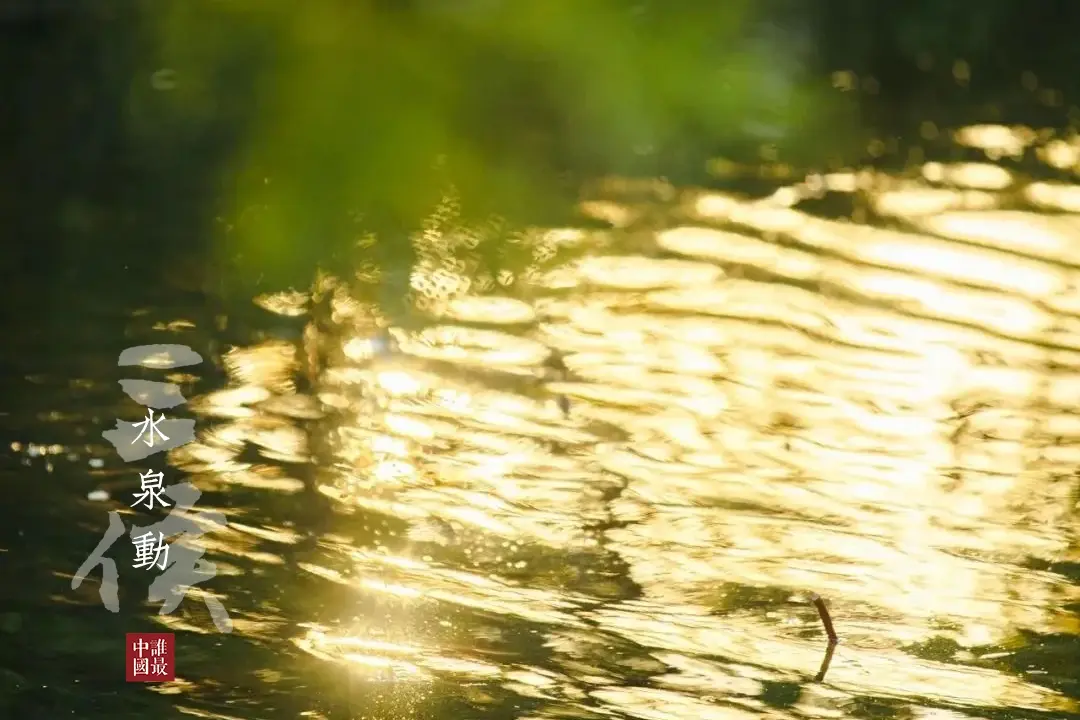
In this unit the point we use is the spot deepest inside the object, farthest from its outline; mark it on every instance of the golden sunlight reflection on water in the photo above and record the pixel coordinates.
(762, 403)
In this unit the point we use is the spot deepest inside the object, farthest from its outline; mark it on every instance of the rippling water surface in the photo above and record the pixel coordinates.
(605, 482)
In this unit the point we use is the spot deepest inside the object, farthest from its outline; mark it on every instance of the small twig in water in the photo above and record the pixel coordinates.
(830, 631)
(826, 619)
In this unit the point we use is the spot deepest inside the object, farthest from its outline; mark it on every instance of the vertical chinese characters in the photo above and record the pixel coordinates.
(181, 566)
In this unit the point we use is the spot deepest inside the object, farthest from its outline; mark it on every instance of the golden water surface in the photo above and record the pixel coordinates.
(606, 483)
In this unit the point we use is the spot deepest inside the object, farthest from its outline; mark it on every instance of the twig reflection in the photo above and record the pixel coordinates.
(829, 649)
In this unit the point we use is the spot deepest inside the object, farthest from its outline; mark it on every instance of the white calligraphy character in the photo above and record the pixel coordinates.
(149, 553)
(151, 489)
(152, 425)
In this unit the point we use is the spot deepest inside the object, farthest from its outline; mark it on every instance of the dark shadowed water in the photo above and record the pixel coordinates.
(602, 477)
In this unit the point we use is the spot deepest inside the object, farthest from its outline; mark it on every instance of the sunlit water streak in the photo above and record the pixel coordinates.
(607, 488)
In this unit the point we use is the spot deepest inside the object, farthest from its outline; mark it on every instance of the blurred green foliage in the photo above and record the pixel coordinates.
(138, 134)
(358, 116)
